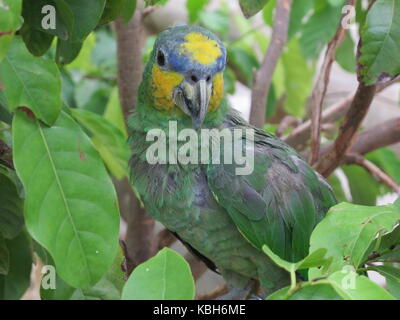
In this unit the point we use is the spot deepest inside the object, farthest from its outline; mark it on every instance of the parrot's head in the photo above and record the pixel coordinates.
(185, 73)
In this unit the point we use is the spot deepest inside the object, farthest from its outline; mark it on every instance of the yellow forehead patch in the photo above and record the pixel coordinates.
(163, 85)
(201, 48)
(218, 92)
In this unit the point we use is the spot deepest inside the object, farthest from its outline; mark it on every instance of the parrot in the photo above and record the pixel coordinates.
(223, 217)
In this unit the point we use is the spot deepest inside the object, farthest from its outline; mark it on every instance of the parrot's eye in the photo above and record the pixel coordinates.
(161, 59)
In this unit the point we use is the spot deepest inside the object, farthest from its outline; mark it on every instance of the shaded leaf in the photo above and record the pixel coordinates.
(36, 41)
(4, 256)
(77, 223)
(167, 276)
(14, 284)
(11, 206)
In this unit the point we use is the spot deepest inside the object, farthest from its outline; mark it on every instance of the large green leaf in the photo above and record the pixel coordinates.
(300, 8)
(31, 82)
(11, 207)
(298, 79)
(348, 231)
(251, 7)
(313, 291)
(10, 15)
(387, 160)
(112, 9)
(380, 38)
(108, 139)
(244, 62)
(14, 284)
(71, 207)
(167, 276)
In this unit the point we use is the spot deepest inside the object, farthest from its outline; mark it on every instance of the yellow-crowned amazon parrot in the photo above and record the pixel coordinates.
(223, 217)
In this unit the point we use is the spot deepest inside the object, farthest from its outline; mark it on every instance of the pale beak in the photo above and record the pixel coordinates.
(194, 100)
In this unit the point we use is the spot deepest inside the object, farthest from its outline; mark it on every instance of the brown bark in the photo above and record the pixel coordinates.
(331, 159)
(263, 77)
(140, 227)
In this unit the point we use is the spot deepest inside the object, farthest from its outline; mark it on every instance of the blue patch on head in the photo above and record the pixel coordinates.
(170, 41)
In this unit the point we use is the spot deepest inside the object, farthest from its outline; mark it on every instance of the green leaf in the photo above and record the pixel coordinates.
(345, 55)
(313, 291)
(216, 21)
(4, 256)
(351, 286)
(244, 62)
(364, 188)
(108, 139)
(83, 61)
(315, 259)
(31, 82)
(348, 231)
(345, 284)
(71, 207)
(113, 112)
(5, 42)
(380, 37)
(36, 41)
(33, 16)
(129, 10)
(167, 276)
(87, 14)
(194, 7)
(112, 10)
(67, 51)
(319, 30)
(11, 206)
(108, 288)
(268, 13)
(10, 15)
(299, 9)
(387, 160)
(298, 78)
(251, 7)
(14, 284)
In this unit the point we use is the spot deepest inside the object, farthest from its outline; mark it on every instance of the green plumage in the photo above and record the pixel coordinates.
(225, 217)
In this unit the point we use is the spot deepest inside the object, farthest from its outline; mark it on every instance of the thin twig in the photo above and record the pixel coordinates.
(375, 171)
(263, 77)
(319, 91)
(331, 159)
(299, 136)
(286, 123)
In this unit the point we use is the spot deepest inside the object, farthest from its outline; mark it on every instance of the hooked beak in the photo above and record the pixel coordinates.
(194, 100)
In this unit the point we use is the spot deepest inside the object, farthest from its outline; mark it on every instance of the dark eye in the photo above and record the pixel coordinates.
(161, 58)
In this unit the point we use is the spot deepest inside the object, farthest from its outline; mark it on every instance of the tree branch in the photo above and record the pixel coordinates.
(331, 159)
(140, 227)
(376, 172)
(263, 77)
(319, 91)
